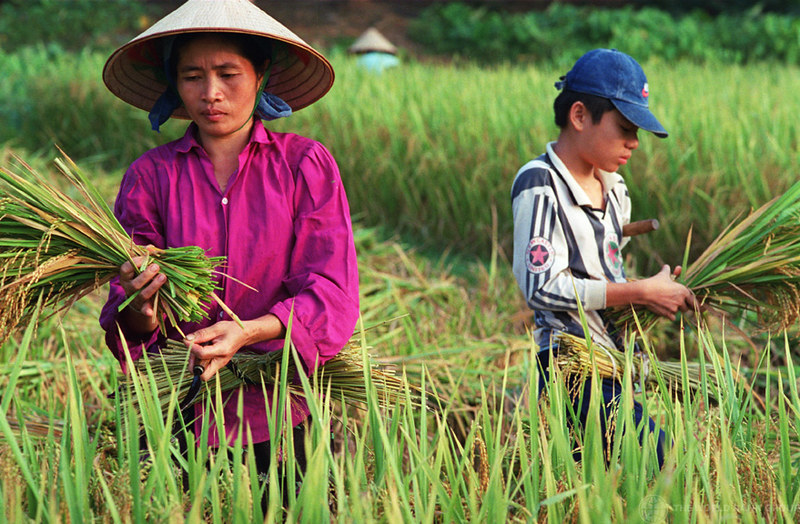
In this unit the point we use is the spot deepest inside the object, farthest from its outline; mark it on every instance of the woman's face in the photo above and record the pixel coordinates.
(218, 86)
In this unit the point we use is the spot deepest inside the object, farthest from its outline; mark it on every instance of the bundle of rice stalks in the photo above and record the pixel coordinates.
(59, 248)
(344, 374)
(577, 358)
(751, 271)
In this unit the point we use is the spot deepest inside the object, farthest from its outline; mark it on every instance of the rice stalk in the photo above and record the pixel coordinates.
(344, 374)
(751, 271)
(577, 358)
(58, 248)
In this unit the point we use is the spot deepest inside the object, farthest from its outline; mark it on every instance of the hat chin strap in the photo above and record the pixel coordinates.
(269, 106)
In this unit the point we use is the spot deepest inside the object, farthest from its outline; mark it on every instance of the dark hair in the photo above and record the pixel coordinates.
(257, 50)
(596, 105)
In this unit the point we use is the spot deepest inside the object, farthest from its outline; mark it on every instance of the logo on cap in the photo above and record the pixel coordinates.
(645, 90)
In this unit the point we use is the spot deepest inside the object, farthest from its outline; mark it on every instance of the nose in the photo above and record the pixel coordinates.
(632, 141)
(211, 90)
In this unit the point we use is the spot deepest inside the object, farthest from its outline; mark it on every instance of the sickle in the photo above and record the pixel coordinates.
(194, 389)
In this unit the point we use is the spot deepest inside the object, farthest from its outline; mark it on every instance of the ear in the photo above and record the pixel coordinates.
(578, 116)
(260, 72)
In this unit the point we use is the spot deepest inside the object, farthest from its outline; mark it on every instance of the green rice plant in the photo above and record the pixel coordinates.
(57, 248)
(513, 464)
(750, 272)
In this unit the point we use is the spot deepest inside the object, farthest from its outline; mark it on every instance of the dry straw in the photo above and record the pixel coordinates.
(59, 244)
(750, 272)
(577, 358)
(342, 377)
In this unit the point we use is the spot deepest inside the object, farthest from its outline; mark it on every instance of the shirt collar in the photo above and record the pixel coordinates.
(608, 179)
(189, 141)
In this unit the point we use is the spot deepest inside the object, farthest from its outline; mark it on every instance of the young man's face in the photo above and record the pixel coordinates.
(610, 142)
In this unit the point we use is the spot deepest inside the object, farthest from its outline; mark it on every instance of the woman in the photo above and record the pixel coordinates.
(271, 203)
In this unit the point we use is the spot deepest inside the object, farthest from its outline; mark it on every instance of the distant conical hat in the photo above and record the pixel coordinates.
(134, 72)
(372, 41)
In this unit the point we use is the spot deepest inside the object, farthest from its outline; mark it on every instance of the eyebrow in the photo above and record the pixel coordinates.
(224, 65)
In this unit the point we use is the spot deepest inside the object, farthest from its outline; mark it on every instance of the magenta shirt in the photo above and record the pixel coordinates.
(283, 223)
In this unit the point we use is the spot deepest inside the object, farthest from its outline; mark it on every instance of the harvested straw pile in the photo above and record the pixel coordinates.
(750, 272)
(57, 248)
(344, 374)
(577, 358)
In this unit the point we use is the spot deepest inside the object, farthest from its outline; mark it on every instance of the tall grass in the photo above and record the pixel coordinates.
(513, 464)
(448, 142)
(430, 150)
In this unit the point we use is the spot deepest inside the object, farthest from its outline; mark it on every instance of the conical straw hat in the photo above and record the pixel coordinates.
(134, 72)
(371, 41)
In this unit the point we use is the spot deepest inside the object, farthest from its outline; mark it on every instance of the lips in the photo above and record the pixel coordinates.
(212, 113)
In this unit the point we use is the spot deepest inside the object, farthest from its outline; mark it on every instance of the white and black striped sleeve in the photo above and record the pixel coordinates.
(547, 262)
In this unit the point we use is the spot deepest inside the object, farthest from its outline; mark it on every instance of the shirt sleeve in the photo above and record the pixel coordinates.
(135, 208)
(323, 273)
(542, 256)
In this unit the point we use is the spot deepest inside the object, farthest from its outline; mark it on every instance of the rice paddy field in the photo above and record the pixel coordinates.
(428, 153)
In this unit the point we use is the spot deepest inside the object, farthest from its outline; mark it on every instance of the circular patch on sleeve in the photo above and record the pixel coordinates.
(540, 255)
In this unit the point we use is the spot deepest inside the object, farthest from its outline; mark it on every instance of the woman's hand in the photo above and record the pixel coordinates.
(140, 312)
(214, 346)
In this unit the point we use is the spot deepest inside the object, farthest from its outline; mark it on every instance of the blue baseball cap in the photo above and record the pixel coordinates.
(616, 76)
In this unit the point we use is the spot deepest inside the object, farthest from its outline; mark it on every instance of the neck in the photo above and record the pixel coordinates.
(223, 151)
(570, 155)
(225, 144)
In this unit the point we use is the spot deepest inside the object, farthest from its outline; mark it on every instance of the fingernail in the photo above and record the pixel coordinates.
(153, 268)
(189, 337)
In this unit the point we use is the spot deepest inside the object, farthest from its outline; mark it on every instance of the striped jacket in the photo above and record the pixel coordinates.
(564, 250)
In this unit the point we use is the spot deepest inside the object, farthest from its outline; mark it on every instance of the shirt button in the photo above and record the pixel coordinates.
(225, 201)
(220, 314)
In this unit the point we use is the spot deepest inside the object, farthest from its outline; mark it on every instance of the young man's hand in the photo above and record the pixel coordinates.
(659, 293)
(665, 297)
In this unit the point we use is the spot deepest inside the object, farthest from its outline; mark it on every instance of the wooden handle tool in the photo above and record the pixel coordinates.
(640, 227)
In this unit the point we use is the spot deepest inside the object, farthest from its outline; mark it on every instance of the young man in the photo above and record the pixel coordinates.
(569, 207)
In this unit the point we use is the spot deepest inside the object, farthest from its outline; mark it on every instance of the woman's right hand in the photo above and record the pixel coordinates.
(148, 282)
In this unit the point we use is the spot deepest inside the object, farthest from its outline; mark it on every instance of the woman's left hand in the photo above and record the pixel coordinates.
(214, 346)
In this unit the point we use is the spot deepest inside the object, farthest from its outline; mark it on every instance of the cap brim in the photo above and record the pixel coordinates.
(641, 117)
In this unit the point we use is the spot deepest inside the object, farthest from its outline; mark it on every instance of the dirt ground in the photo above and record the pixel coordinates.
(329, 22)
